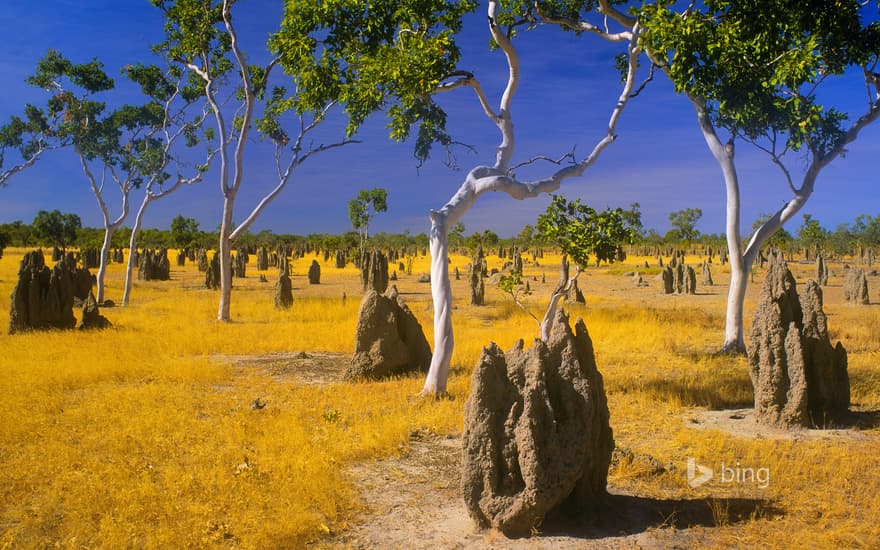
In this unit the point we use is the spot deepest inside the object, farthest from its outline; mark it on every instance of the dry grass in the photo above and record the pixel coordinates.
(144, 435)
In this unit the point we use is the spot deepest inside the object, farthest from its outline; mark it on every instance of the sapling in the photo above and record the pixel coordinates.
(579, 231)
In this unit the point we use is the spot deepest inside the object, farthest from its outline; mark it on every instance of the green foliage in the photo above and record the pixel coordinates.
(123, 138)
(811, 234)
(368, 56)
(18, 232)
(456, 235)
(194, 35)
(633, 220)
(28, 135)
(579, 230)
(364, 207)
(184, 231)
(757, 64)
(867, 229)
(486, 239)
(684, 223)
(526, 235)
(512, 284)
(55, 228)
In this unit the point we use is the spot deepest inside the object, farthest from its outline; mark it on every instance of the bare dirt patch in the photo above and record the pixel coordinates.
(413, 501)
(741, 423)
(302, 367)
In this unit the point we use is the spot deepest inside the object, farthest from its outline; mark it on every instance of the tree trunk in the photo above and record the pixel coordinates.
(734, 339)
(441, 292)
(132, 246)
(225, 251)
(102, 269)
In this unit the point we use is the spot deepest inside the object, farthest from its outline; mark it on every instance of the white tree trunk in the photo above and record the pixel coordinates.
(734, 341)
(225, 251)
(561, 289)
(132, 247)
(741, 261)
(441, 293)
(109, 227)
(105, 253)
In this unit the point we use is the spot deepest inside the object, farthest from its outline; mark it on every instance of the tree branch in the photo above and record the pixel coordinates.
(644, 82)
(8, 173)
(569, 155)
(583, 26)
(504, 122)
(625, 20)
(248, 98)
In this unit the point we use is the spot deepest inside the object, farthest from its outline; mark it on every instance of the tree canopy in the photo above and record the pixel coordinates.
(369, 56)
(580, 231)
(365, 206)
(684, 223)
(759, 64)
(56, 228)
(184, 231)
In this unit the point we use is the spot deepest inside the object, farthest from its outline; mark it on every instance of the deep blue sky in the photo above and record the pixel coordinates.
(568, 89)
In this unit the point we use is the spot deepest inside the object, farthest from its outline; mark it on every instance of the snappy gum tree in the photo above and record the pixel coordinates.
(117, 146)
(579, 231)
(499, 176)
(756, 71)
(336, 55)
(363, 208)
(175, 92)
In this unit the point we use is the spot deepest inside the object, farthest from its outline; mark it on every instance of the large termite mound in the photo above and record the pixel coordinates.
(389, 339)
(799, 378)
(536, 435)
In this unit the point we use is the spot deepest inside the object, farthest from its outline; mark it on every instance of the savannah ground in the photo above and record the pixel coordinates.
(146, 435)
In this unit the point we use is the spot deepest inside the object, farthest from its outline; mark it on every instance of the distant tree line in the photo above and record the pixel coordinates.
(64, 230)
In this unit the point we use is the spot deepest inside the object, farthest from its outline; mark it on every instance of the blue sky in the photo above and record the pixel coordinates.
(568, 89)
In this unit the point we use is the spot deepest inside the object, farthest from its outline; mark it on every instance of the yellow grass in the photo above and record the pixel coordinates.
(144, 435)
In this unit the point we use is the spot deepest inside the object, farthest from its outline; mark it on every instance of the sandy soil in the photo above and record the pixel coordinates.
(413, 502)
(741, 423)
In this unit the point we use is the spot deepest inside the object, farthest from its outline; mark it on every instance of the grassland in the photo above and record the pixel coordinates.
(145, 435)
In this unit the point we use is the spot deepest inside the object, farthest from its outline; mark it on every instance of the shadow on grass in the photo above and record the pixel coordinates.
(723, 392)
(630, 515)
(860, 420)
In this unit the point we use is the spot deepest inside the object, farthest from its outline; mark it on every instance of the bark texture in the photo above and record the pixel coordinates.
(537, 438)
